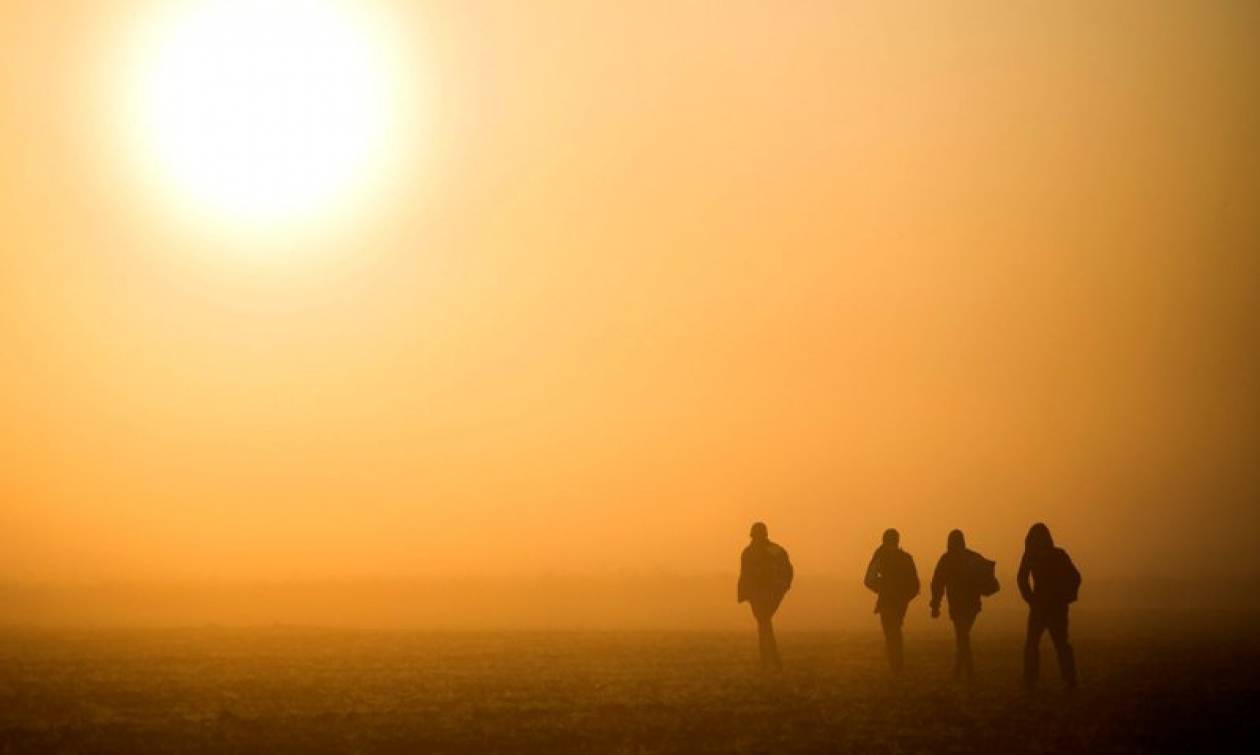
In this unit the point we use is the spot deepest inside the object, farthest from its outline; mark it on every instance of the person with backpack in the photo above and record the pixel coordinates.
(962, 576)
(892, 576)
(1049, 583)
(765, 576)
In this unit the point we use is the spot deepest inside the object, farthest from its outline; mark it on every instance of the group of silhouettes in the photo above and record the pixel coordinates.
(1048, 582)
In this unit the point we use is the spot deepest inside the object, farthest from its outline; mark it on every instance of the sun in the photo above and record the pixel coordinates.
(265, 114)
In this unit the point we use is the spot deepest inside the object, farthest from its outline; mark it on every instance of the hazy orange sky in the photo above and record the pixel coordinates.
(649, 272)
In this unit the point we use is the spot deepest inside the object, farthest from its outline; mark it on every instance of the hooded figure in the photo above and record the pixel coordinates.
(765, 576)
(1048, 582)
(892, 576)
(957, 578)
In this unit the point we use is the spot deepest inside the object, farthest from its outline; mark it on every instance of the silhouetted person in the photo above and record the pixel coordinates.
(1054, 585)
(892, 576)
(765, 575)
(962, 576)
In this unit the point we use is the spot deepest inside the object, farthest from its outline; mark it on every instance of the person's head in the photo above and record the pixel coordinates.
(892, 538)
(1038, 538)
(759, 531)
(956, 541)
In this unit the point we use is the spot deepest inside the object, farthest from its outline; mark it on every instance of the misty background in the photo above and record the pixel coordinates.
(658, 270)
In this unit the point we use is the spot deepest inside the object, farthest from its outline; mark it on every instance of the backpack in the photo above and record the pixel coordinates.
(901, 579)
(984, 576)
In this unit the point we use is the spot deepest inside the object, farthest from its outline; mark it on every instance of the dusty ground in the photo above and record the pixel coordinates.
(310, 691)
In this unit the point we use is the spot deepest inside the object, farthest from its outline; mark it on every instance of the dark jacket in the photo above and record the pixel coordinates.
(892, 576)
(1055, 580)
(955, 577)
(765, 572)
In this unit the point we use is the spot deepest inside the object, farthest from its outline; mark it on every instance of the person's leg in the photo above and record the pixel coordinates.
(770, 646)
(886, 624)
(1032, 649)
(775, 659)
(971, 664)
(761, 630)
(900, 643)
(760, 616)
(763, 611)
(892, 617)
(958, 647)
(1057, 624)
(962, 638)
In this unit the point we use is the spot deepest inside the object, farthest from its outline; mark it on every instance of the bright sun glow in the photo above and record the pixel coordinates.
(265, 114)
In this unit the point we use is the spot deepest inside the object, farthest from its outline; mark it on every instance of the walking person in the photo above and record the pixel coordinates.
(962, 577)
(1049, 583)
(892, 576)
(765, 576)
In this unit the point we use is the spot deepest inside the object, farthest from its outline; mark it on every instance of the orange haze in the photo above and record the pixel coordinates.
(657, 270)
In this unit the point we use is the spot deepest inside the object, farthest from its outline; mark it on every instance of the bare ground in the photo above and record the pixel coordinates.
(280, 690)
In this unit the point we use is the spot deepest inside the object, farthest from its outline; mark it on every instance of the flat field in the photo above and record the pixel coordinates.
(284, 690)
